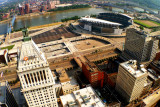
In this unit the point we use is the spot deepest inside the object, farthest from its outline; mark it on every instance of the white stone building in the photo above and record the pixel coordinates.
(35, 76)
(85, 97)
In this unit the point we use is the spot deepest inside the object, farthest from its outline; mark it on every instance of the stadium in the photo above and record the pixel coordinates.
(100, 26)
(123, 19)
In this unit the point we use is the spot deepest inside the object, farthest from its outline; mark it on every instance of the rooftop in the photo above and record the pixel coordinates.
(88, 98)
(68, 100)
(85, 97)
(152, 99)
(30, 56)
(91, 66)
(63, 77)
(99, 21)
(132, 67)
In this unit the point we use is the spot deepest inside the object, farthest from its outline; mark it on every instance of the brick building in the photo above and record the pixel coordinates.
(94, 75)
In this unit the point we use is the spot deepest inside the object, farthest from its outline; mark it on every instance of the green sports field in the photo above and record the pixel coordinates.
(147, 23)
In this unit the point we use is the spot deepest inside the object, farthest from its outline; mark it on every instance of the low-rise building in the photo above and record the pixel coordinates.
(68, 84)
(85, 97)
(93, 74)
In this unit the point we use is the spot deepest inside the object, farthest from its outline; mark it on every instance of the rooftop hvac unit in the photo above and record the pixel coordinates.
(77, 93)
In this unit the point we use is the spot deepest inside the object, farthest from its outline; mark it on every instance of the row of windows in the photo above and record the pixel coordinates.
(36, 78)
(40, 96)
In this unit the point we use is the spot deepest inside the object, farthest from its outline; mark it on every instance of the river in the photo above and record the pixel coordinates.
(53, 17)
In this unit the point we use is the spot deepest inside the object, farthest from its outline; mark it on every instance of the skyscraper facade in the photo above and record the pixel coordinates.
(21, 10)
(35, 76)
(130, 80)
(140, 46)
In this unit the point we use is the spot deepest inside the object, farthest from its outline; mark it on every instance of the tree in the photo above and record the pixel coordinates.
(141, 27)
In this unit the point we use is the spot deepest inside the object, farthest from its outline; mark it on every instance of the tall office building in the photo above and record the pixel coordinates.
(26, 8)
(56, 2)
(140, 46)
(21, 10)
(130, 80)
(35, 76)
(6, 97)
(51, 4)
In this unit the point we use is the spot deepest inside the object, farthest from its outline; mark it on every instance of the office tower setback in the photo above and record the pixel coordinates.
(130, 80)
(35, 76)
(140, 46)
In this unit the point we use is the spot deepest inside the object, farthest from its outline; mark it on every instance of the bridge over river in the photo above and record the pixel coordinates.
(125, 8)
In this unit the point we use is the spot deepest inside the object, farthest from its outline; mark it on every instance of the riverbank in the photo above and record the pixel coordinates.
(49, 17)
(4, 21)
(43, 13)
(46, 25)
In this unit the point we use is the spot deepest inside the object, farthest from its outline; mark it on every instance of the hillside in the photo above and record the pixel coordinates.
(149, 3)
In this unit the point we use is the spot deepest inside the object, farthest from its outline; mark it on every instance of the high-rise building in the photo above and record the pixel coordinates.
(130, 80)
(6, 97)
(26, 8)
(140, 46)
(51, 4)
(35, 76)
(21, 10)
(56, 2)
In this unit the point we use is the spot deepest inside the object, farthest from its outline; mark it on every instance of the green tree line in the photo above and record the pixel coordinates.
(70, 7)
(70, 18)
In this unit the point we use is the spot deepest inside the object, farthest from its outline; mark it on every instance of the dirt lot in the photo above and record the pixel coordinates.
(86, 44)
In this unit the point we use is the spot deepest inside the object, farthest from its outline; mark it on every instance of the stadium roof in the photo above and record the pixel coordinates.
(119, 14)
(127, 16)
(99, 21)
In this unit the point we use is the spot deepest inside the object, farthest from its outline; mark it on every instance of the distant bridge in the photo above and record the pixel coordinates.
(11, 24)
(110, 5)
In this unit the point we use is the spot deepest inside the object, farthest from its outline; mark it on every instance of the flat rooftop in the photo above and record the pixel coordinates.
(132, 68)
(85, 97)
(102, 55)
(88, 98)
(89, 43)
(69, 99)
(152, 99)
(63, 77)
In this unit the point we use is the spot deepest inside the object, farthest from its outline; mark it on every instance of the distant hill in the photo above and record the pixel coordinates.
(149, 3)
